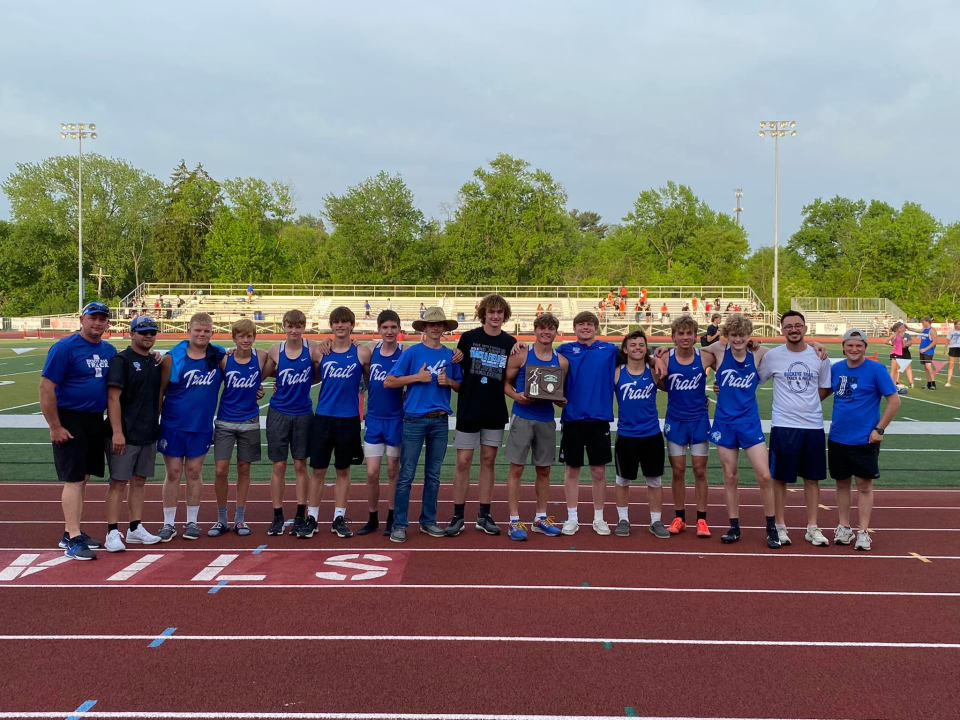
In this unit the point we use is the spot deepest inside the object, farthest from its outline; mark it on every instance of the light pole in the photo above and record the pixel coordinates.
(777, 129)
(79, 131)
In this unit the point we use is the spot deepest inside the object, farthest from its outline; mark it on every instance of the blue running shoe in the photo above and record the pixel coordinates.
(546, 526)
(518, 531)
(80, 551)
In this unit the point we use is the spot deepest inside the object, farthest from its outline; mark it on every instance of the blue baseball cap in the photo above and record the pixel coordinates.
(95, 308)
(143, 323)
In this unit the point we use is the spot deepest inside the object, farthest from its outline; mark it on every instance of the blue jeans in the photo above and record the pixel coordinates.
(416, 431)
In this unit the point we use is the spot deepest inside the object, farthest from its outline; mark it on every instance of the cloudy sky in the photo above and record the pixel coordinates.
(609, 97)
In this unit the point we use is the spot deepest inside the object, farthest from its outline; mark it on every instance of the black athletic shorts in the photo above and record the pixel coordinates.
(846, 461)
(643, 453)
(954, 352)
(797, 452)
(926, 358)
(590, 435)
(83, 454)
(340, 434)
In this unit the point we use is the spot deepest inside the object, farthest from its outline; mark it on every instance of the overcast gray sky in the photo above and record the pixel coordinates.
(609, 97)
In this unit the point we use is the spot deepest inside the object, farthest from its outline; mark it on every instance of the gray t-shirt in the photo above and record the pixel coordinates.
(797, 377)
(953, 338)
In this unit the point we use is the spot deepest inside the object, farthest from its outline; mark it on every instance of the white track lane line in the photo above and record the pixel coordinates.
(59, 715)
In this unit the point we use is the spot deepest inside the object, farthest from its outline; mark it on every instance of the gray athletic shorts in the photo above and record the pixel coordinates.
(471, 441)
(288, 434)
(537, 435)
(245, 435)
(136, 461)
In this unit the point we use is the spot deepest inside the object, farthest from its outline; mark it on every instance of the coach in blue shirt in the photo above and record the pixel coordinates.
(73, 397)
(856, 431)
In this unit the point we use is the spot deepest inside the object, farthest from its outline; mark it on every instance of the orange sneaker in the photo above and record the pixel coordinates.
(702, 529)
(677, 526)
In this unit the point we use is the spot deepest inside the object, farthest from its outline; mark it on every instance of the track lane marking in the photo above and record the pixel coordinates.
(44, 715)
(921, 558)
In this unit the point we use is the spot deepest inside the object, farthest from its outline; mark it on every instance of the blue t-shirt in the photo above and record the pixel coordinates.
(190, 404)
(856, 400)
(340, 376)
(589, 380)
(637, 403)
(422, 398)
(241, 383)
(79, 370)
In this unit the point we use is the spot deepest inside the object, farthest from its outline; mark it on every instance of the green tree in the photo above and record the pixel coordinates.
(191, 202)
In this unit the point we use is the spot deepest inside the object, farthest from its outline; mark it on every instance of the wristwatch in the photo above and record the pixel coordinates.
(879, 430)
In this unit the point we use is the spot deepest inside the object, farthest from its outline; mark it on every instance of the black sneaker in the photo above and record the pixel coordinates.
(773, 539)
(454, 527)
(307, 528)
(432, 530)
(276, 527)
(297, 526)
(488, 526)
(339, 527)
(369, 527)
(732, 535)
(91, 543)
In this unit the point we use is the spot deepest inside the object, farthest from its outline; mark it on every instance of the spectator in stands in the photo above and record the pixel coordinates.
(366, 308)
(167, 310)
(157, 304)
(550, 308)
(623, 292)
(716, 303)
(603, 311)
(707, 307)
(389, 304)
(729, 307)
(648, 312)
(610, 298)
(623, 306)
(250, 293)
(539, 310)
(686, 307)
(643, 295)
(693, 304)
(422, 311)
(636, 312)
(664, 315)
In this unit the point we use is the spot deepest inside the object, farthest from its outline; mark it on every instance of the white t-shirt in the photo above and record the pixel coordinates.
(797, 377)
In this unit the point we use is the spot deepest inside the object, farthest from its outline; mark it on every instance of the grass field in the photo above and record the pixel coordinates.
(918, 459)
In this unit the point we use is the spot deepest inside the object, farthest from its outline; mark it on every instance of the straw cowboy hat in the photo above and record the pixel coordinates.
(434, 315)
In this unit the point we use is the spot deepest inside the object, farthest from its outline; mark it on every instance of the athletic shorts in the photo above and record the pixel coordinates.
(288, 434)
(82, 454)
(736, 435)
(335, 434)
(245, 435)
(797, 452)
(135, 461)
(687, 432)
(590, 435)
(954, 352)
(847, 461)
(472, 440)
(383, 432)
(536, 437)
(643, 453)
(926, 358)
(181, 444)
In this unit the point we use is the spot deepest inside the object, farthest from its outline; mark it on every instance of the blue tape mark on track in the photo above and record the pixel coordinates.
(584, 584)
(216, 588)
(608, 646)
(82, 709)
(260, 549)
(163, 636)
(630, 712)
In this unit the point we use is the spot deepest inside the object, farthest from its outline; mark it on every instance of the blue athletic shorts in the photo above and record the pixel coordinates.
(177, 443)
(797, 452)
(683, 432)
(383, 432)
(736, 435)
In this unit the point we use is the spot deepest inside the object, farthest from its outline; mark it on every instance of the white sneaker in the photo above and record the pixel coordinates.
(863, 540)
(141, 536)
(114, 542)
(843, 535)
(816, 537)
(947, 385)
(570, 527)
(600, 527)
(784, 538)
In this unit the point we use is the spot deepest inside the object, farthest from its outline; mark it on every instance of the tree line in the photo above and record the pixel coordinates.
(511, 224)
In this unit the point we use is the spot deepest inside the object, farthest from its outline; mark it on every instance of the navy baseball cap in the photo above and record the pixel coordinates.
(95, 308)
(143, 323)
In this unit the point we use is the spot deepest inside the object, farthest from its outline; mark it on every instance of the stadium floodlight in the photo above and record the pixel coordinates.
(761, 133)
(78, 131)
(762, 124)
(778, 129)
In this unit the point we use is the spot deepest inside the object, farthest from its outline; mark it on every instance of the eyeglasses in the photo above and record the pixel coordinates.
(793, 327)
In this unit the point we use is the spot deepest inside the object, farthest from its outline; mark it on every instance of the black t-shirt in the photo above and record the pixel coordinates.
(481, 403)
(139, 378)
(708, 338)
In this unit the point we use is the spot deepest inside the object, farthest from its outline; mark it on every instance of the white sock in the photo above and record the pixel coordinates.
(811, 528)
(314, 512)
(571, 515)
(514, 518)
(192, 512)
(169, 515)
(339, 512)
(622, 512)
(597, 515)
(781, 527)
(541, 516)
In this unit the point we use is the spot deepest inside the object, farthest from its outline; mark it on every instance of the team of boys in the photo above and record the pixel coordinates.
(174, 404)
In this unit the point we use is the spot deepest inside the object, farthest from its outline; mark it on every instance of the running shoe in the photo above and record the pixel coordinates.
(623, 528)
(307, 528)
(547, 526)
(218, 529)
(454, 527)
(658, 529)
(167, 533)
(141, 536)
(703, 530)
(398, 535)
(816, 537)
(339, 527)
(843, 535)
(487, 525)
(600, 527)
(114, 542)
(433, 530)
(518, 531)
(276, 527)
(784, 538)
(241, 529)
(731, 535)
(79, 551)
(191, 531)
(773, 539)
(91, 543)
(570, 527)
(297, 525)
(863, 540)
(677, 526)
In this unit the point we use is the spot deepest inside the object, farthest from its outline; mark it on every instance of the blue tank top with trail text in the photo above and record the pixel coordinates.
(737, 395)
(241, 382)
(384, 403)
(190, 404)
(291, 395)
(686, 388)
(538, 409)
(637, 403)
(340, 376)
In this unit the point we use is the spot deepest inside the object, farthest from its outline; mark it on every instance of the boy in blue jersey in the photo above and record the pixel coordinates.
(428, 373)
(73, 396)
(238, 423)
(586, 417)
(336, 425)
(856, 432)
(532, 428)
(190, 378)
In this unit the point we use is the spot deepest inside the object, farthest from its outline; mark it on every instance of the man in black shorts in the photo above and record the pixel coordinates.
(73, 396)
(133, 409)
